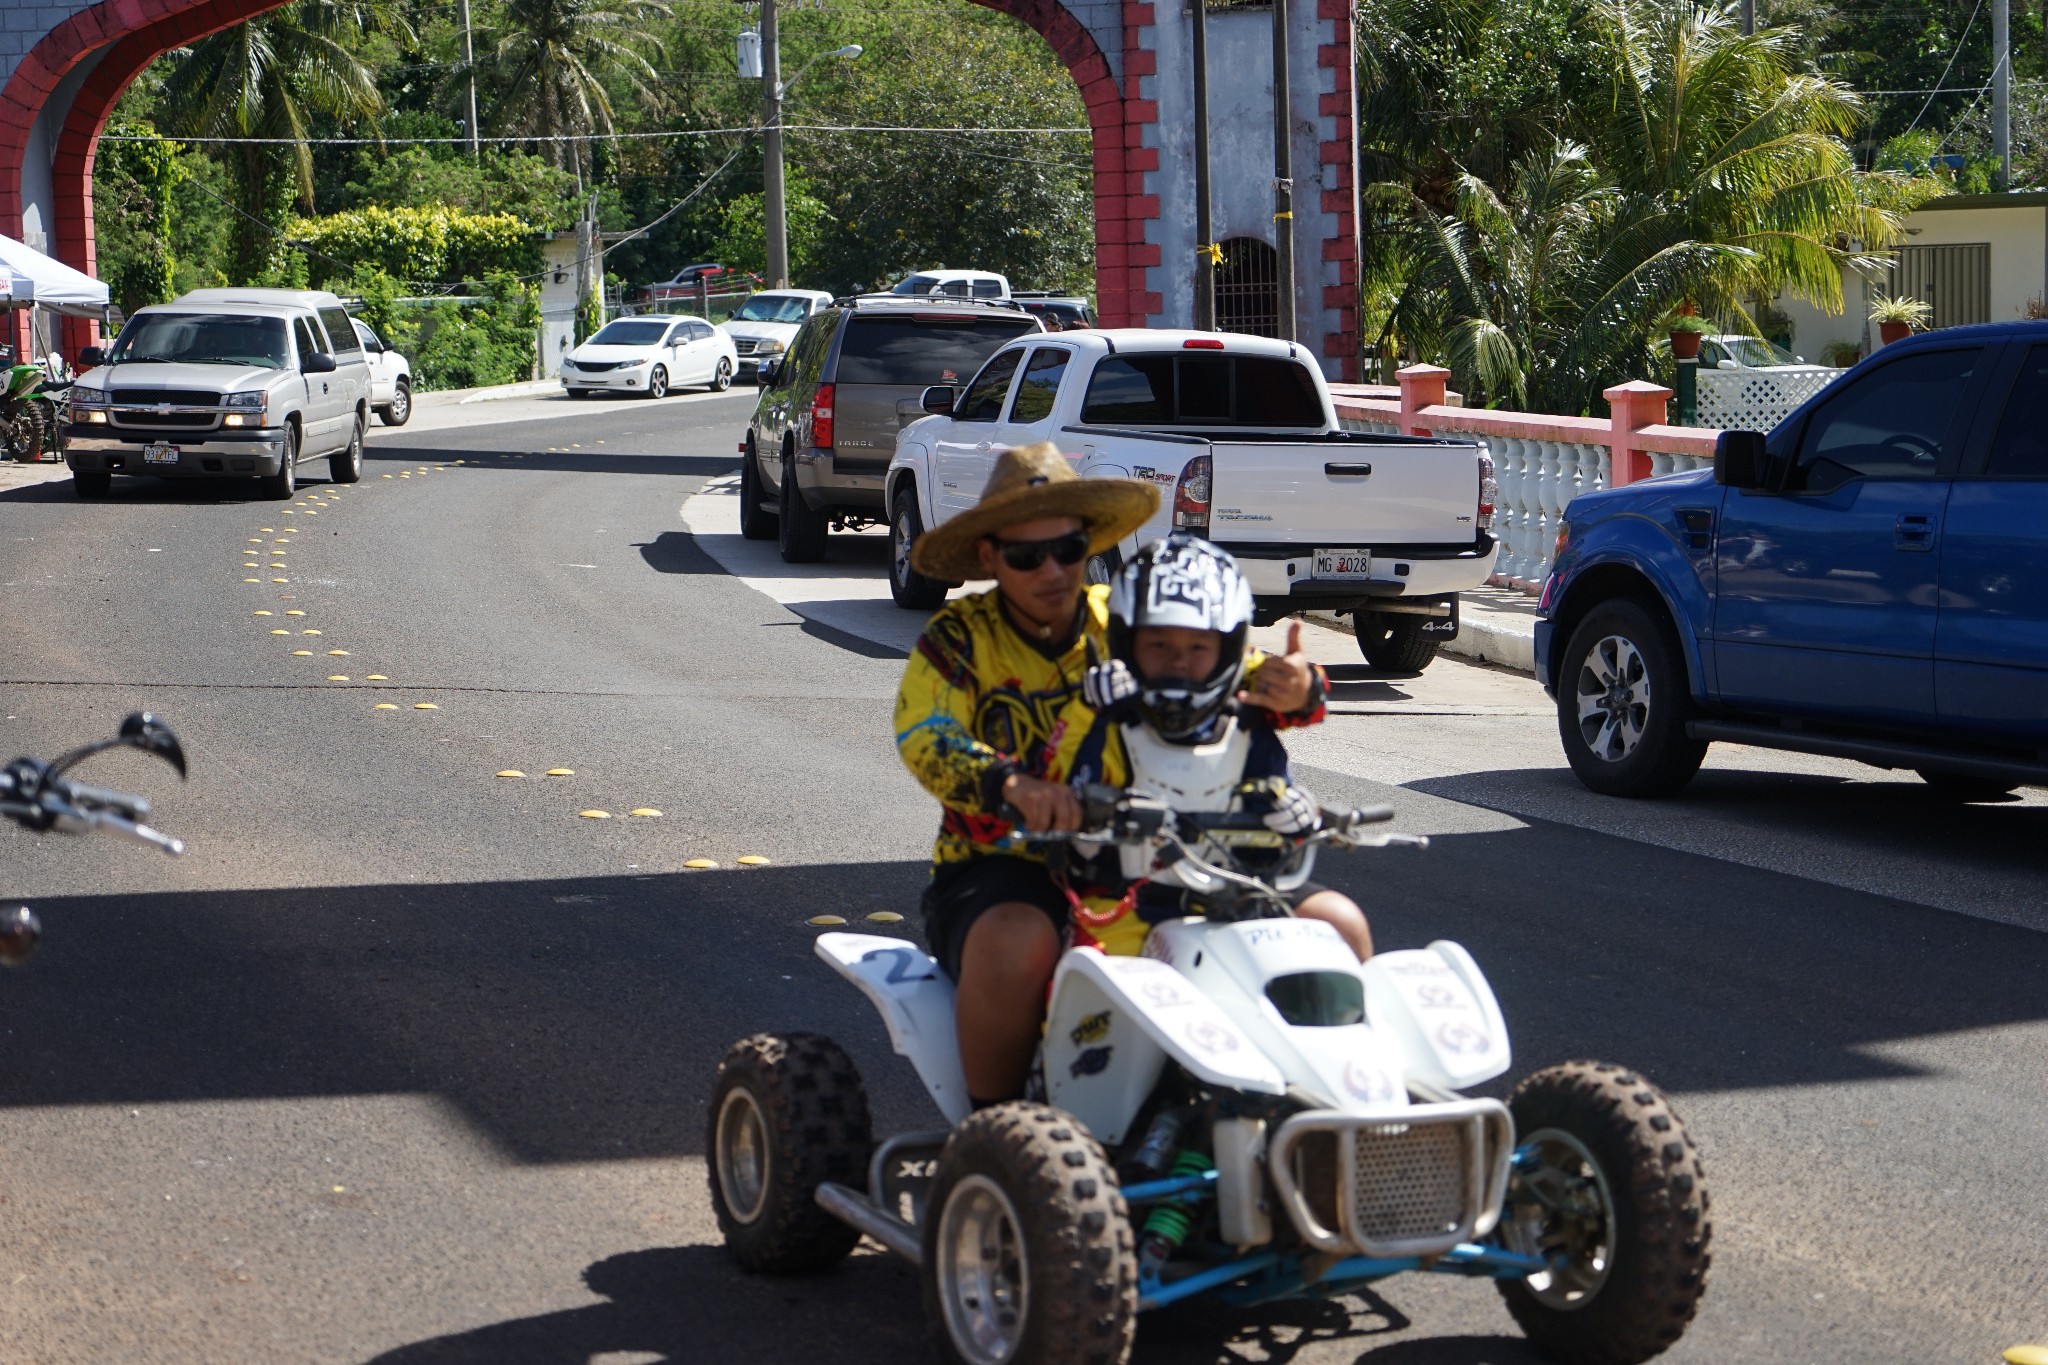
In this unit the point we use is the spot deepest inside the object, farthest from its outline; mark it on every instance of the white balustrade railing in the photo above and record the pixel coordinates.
(1757, 400)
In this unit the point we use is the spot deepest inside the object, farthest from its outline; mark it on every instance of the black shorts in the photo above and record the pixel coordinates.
(960, 892)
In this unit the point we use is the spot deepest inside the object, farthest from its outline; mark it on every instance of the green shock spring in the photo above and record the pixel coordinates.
(1171, 1221)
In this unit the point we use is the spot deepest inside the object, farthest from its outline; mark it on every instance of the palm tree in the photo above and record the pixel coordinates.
(548, 67)
(269, 78)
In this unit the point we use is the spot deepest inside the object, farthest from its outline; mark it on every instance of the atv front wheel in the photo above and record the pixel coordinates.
(787, 1114)
(1608, 1188)
(1027, 1245)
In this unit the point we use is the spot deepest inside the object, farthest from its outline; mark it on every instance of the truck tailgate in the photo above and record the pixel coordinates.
(1343, 494)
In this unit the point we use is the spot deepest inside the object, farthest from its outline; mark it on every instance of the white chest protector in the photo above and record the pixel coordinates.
(1195, 779)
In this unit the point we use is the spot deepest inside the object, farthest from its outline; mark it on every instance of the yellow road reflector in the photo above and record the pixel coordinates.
(424, 706)
(311, 513)
(753, 860)
(267, 530)
(262, 613)
(595, 814)
(280, 580)
(342, 652)
(309, 632)
(293, 611)
(255, 540)
(337, 677)
(279, 630)
(2026, 1355)
(646, 812)
(276, 564)
(375, 677)
(826, 921)
(701, 862)
(387, 476)
(384, 706)
(302, 654)
(290, 513)
(252, 580)
(511, 772)
(561, 772)
(885, 917)
(250, 564)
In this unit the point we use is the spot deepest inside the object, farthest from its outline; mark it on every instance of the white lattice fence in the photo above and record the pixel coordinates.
(1757, 400)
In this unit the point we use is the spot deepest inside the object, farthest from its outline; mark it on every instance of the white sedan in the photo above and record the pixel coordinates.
(390, 378)
(650, 354)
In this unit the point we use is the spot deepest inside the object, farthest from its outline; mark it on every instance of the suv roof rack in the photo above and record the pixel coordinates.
(922, 301)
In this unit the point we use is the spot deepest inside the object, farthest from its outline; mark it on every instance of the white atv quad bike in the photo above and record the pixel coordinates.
(1244, 1112)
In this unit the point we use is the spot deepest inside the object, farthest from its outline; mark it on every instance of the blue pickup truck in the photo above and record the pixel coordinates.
(1870, 581)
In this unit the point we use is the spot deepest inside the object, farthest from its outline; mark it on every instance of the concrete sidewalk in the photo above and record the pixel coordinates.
(14, 475)
(1495, 626)
(525, 389)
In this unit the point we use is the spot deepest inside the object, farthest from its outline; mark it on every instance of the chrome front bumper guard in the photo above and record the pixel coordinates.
(1484, 1138)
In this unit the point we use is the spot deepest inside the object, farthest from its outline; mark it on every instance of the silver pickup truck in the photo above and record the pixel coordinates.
(1240, 437)
(223, 384)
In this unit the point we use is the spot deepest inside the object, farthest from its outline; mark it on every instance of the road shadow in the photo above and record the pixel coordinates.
(585, 461)
(692, 1304)
(222, 492)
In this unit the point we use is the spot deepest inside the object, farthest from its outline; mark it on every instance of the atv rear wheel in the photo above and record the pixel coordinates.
(1027, 1245)
(1608, 1188)
(787, 1114)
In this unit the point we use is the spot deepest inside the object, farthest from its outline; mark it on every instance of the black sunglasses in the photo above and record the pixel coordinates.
(1026, 555)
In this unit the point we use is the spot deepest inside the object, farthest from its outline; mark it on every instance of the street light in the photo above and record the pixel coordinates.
(773, 88)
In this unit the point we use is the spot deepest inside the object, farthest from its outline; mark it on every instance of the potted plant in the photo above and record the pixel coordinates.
(1686, 333)
(1898, 318)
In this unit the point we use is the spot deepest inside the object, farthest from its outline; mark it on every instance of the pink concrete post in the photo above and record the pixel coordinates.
(1632, 406)
(1422, 386)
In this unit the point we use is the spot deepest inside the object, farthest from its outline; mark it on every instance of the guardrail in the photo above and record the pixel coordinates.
(1542, 462)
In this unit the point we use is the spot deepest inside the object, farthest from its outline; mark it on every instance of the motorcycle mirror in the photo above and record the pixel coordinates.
(145, 732)
(20, 934)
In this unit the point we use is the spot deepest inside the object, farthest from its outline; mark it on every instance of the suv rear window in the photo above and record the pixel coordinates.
(1195, 390)
(922, 350)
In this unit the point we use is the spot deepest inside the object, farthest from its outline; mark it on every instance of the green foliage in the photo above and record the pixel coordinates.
(508, 182)
(548, 67)
(743, 238)
(454, 344)
(417, 245)
(134, 189)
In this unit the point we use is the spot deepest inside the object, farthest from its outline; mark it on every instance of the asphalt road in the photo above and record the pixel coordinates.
(406, 1062)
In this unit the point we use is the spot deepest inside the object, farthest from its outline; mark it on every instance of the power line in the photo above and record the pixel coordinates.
(584, 137)
(1942, 79)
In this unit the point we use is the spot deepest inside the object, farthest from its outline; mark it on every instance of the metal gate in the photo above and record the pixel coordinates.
(1248, 288)
(1954, 280)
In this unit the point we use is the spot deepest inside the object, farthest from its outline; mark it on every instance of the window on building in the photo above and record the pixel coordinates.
(1248, 288)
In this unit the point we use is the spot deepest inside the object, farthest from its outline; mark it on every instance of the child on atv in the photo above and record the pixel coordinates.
(1162, 717)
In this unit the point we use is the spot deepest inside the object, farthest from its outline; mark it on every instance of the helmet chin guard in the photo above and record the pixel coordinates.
(1182, 581)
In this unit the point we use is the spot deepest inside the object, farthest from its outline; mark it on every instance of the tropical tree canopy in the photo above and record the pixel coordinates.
(546, 69)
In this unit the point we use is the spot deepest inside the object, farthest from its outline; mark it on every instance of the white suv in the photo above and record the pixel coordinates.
(223, 383)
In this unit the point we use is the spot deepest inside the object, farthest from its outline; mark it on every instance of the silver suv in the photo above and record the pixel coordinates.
(825, 427)
(223, 384)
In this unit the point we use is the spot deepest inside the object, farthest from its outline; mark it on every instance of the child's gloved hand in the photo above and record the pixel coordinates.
(1294, 812)
(1109, 686)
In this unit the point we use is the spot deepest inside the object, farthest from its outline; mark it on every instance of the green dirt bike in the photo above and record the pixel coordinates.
(31, 423)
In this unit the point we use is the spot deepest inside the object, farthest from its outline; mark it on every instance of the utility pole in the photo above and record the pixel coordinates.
(771, 150)
(469, 65)
(1206, 253)
(1283, 173)
(2001, 88)
(1748, 16)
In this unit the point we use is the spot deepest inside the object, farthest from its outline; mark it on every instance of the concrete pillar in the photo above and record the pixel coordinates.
(1632, 406)
(1422, 386)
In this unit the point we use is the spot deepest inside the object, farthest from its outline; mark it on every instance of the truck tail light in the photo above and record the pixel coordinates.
(821, 417)
(1191, 496)
(1201, 344)
(1489, 491)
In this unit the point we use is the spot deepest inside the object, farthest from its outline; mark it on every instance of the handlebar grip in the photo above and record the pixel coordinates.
(139, 834)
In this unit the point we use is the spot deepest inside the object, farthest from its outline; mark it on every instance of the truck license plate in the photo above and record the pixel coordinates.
(159, 453)
(1342, 564)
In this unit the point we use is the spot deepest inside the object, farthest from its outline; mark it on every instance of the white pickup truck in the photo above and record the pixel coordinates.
(1240, 436)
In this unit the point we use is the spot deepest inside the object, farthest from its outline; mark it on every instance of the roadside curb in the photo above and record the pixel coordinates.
(524, 389)
(1483, 637)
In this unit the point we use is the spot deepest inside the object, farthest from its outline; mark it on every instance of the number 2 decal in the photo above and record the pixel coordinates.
(899, 965)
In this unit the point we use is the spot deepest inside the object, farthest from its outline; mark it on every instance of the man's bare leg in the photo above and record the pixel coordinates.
(999, 1006)
(1341, 913)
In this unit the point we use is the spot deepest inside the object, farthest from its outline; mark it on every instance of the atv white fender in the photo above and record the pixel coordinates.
(1114, 1022)
(916, 1003)
(1436, 1003)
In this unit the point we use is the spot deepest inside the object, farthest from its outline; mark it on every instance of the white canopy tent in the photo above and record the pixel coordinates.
(43, 285)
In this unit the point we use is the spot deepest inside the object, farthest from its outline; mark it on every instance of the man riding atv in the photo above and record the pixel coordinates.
(980, 711)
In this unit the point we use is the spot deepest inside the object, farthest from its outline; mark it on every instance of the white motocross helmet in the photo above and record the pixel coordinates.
(1182, 580)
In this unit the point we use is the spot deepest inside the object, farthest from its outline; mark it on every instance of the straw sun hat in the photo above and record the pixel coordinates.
(1031, 483)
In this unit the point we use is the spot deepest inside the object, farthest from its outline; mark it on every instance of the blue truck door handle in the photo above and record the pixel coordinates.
(1913, 533)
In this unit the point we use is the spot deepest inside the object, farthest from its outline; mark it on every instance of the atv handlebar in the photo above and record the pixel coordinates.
(1112, 816)
(38, 797)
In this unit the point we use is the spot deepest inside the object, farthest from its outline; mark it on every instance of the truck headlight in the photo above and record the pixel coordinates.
(249, 409)
(770, 347)
(88, 405)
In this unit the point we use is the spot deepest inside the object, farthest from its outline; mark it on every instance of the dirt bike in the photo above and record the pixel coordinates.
(1243, 1113)
(40, 798)
(31, 424)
